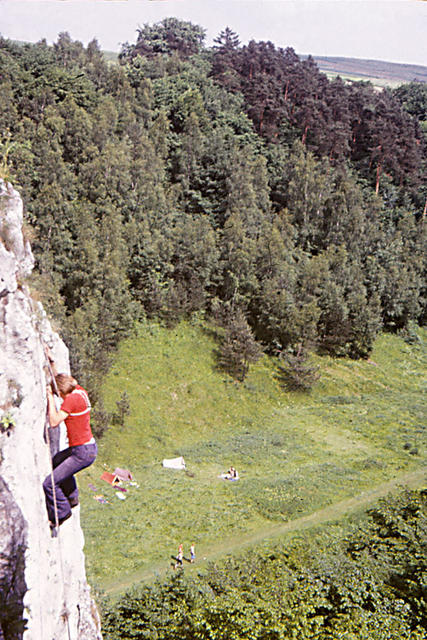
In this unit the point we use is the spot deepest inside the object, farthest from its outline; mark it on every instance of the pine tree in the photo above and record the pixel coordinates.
(295, 371)
(238, 348)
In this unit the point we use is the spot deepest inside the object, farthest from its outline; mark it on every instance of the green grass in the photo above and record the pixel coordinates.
(379, 72)
(379, 83)
(362, 424)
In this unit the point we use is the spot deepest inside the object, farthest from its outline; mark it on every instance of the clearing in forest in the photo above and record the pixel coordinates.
(362, 426)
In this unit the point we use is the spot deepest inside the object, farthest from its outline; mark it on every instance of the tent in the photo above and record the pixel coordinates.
(123, 474)
(111, 478)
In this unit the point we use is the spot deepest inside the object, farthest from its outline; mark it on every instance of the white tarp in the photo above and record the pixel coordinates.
(174, 463)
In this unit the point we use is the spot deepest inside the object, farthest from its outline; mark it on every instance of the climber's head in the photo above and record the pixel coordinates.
(66, 384)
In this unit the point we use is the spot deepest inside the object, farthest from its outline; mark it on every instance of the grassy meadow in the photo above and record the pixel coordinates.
(363, 424)
(379, 83)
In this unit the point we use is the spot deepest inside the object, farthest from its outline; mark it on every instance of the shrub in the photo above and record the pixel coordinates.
(100, 419)
(295, 371)
(123, 410)
(238, 348)
(7, 423)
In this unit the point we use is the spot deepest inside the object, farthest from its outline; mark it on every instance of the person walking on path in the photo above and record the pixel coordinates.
(179, 557)
(82, 450)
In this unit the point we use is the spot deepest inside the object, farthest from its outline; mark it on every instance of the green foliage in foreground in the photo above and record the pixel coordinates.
(363, 424)
(369, 586)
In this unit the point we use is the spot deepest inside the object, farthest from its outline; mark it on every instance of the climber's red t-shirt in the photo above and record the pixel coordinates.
(77, 405)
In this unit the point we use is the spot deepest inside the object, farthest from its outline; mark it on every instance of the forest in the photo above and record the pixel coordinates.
(235, 181)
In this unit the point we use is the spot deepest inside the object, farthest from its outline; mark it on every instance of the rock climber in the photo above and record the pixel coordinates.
(82, 450)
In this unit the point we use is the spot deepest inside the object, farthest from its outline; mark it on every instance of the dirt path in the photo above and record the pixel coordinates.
(227, 546)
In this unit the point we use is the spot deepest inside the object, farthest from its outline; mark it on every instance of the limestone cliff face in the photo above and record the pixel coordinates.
(42, 579)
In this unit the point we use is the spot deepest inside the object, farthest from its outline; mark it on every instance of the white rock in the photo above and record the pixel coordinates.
(50, 586)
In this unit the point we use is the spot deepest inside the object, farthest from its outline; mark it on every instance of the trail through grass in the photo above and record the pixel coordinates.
(363, 425)
(228, 546)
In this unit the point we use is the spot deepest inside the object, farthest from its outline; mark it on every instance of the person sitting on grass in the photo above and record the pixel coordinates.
(231, 474)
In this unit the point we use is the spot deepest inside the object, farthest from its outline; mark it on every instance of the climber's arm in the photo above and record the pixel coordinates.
(52, 364)
(55, 416)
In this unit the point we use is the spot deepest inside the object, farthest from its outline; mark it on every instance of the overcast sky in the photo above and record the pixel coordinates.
(395, 31)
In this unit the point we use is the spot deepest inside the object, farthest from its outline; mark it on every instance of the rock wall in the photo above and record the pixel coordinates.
(44, 594)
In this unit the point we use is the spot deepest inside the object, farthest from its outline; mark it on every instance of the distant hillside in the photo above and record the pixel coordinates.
(371, 69)
(111, 56)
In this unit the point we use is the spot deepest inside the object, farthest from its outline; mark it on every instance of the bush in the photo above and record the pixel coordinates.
(100, 420)
(295, 371)
(123, 410)
(238, 348)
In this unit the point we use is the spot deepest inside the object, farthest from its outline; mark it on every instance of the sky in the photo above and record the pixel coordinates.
(395, 31)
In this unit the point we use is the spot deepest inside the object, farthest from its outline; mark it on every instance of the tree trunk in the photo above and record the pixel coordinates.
(377, 185)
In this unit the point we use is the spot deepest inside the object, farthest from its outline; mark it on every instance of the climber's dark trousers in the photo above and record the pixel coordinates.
(65, 464)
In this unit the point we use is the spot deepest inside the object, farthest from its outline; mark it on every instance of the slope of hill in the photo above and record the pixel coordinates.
(296, 453)
(373, 70)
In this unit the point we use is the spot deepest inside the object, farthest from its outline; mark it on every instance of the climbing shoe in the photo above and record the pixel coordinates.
(60, 521)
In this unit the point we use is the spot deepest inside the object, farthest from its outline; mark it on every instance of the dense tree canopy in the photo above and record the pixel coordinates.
(182, 178)
(169, 36)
